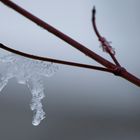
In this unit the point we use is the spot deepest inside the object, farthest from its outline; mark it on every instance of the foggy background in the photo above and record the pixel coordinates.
(80, 104)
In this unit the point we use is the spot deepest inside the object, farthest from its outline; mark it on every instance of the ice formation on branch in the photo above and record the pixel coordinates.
(29, 72)
(105, 45)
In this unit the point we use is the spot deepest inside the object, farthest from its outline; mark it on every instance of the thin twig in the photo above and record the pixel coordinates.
(101, 39)
(54, 60)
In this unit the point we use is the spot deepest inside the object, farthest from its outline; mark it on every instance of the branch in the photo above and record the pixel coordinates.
(59, 34)
(105, 44)
(117, 69)
(54, 60)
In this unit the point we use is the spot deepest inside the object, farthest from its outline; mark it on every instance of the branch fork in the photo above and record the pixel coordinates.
(108, 66)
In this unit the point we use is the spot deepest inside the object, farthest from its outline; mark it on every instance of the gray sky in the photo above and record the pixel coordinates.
(80, 103)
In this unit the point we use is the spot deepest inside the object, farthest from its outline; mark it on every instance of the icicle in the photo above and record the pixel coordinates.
(29, 72)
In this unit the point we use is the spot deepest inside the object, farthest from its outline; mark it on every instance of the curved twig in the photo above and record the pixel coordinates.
(54, 60)
(102, 39)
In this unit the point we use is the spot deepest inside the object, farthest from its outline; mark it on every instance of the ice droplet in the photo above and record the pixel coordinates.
(29, 72)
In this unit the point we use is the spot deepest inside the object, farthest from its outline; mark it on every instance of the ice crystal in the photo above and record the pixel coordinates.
(29, 72)
(106, 46)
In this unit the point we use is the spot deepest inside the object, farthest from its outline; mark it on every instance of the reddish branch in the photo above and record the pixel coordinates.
(114, 68)
(103, 41)
(55, 60)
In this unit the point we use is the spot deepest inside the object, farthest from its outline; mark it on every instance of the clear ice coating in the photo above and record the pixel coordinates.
(29, 72)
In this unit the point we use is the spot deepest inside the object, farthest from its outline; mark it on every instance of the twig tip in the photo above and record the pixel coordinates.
(94, 10)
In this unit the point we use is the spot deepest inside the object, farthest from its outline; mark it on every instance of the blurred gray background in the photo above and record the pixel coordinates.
(81, 104)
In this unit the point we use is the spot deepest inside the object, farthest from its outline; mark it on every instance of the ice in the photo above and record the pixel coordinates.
(106, 46)
(29, 72)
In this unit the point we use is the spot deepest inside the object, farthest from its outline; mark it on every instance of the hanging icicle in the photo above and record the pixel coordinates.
(29, 72)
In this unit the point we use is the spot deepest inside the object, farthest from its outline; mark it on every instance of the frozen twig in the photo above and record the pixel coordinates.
(55, 60)
(104, 43)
